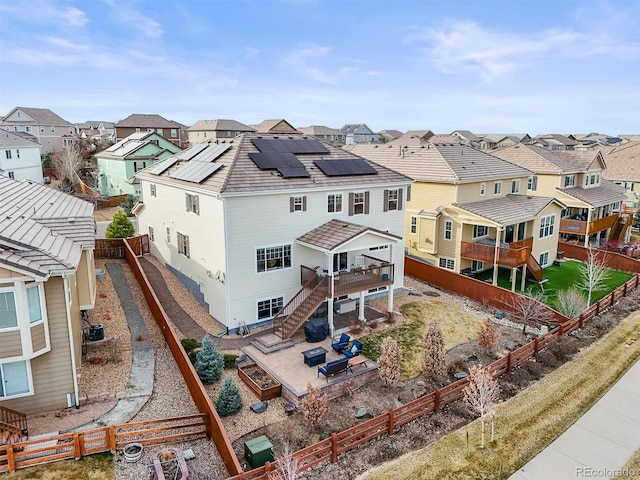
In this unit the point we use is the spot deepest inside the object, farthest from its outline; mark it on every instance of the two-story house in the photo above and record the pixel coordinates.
(554, 141)
(47, 278)
(623, 168)
(205, 130)
(469, 211)
(265, 227)
(498, 140)
(325, 134)
(279, 125)
(49, 130)
(574, 178)
(173, 131)
(359, 133)
(386, 136)
(118, 164)
(20, 158)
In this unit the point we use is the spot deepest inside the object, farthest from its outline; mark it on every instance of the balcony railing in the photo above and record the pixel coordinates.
(508, 257)
(579, 227)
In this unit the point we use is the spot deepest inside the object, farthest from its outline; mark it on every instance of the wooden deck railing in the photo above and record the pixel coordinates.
(508, 257)
(14, 420)
(579, 227)
(386, 424)
(76, 445)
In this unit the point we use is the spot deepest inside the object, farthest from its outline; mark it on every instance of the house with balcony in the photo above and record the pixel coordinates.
(48, 129)
(267, 228)
(326, 134)
(47, 279)
(173, 131)
(469, 211)
(20, 158)
(359, 133)
(205, 130)
(592, 214)
(118, 164)
(623, 168)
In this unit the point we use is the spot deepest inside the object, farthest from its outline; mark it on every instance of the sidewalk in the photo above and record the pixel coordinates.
(600, 443)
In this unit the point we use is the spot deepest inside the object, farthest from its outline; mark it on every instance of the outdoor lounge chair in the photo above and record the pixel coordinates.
(334, 367)
(354, 351)
(342, 343)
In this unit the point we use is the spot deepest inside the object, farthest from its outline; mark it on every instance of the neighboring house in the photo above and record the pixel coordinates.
(623, 168)
(274, 126)
(50, 131)
(175, 132)
(386, 136)
(359, 133)
(20, 158)
(574, 178)
(47, 279)
(469, 211)
(247, 223)
(326, 134)
(594, 141)
(205, 130)
(554, 142)
(498, 140)
(413, 137)
(118, 164)
(97, 132)
(467, 137)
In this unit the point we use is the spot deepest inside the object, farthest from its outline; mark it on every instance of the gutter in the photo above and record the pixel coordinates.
(67, 299)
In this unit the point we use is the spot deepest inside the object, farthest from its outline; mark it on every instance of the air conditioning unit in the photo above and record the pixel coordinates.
(345, 306)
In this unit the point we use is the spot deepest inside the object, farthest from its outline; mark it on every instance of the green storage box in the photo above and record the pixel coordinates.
(258, 451)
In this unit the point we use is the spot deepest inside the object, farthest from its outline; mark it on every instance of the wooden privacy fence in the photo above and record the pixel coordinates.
(114, 247)
(76, 445)
(386, 424)
(215, 429)
(614, 260)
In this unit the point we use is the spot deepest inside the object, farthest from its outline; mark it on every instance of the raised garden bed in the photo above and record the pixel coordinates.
(260, 382)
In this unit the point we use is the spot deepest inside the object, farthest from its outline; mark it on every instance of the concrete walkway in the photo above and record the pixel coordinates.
(140, 384)
(600, 443)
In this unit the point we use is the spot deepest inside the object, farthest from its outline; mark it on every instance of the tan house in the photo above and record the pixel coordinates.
(205, 130)
(574, 178)
(47, 279)
(469, 211)
(173, 131)
(275, 126)
(623, 168)
(326, 134)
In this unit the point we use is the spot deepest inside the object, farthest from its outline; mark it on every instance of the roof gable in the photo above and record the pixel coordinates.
(37, 116)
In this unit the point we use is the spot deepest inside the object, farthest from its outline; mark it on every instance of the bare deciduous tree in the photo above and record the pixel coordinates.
(314, 405)
(288, 466)
(571, 302)
(487, 336)
(529, 307)
(433, 362)
(482, 393)
(389, 362)
(67, 161)
(593, 273)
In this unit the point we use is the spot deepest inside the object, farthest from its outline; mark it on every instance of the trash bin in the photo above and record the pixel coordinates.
(96, 332)
(258, 451)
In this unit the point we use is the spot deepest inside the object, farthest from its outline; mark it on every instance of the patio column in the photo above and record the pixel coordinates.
(523, 280)
(495, 255)
(361, 307)
(390, 290)
(332, 329)
(587, 233)
(514, 278)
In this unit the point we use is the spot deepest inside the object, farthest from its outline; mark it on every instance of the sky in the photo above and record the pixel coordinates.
(488, 66)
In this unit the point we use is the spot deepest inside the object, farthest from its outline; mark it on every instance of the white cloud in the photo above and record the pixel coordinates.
(304, 62)
(49, 11)
(126, 13)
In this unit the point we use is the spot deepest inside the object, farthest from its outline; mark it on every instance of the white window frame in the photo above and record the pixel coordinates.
(27, 367)
(483, 188)
(7, 154)
(413, 228)
(151, 234)
(279, 255)
(3, 303)
(334, 203)
(192, 203)
(359, 202)
(532, 183)
(168, 238)
(543, 259)
(547, 225)
(448, 230)
(497, 188)
(515, 186)
(447, 263)
(480, 231)
(298, 204)
(159, 131)
(275, 304)
(152, 189)
(477, 266)
(11, 175)
(183, 244)
(40, 319)
(393, 199)
(569, 181)
(17, 153)
(174, 133)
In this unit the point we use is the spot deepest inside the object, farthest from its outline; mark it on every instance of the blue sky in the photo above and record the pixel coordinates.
(488, 66)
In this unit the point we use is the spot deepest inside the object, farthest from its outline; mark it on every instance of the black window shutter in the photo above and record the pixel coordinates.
(400, 199)
(304, 203)
(291, 204)
(366, 202)
(351, 204)
(385, 202)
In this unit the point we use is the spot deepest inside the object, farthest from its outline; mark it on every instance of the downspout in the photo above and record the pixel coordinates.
(329, 257)
(499, 231)
(67, 299)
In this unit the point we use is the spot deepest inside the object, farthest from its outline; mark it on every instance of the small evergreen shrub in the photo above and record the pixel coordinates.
(189, 344)
(229, 360)
(209, 362)
(229, 401)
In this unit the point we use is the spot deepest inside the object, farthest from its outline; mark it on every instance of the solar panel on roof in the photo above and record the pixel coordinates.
(189, 153)
(163, 166)
(212, 152)
(196, 172)
(274, 160)
(335, 167)
(293, 172)
(289, 145)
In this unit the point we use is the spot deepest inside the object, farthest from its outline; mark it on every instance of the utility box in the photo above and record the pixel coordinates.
(258, 451)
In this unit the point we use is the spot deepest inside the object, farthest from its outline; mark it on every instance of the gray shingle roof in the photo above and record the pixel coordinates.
(268, 126)
(542, 160)
(240, 174)
(41, 116)
(606, 194)
(8, 139)
(441, 163)
(145, 120)
(509, 209)
(336, 233)
(623, 162)
(352, 127)
(42, 230)
(221, 124)
(320, 130)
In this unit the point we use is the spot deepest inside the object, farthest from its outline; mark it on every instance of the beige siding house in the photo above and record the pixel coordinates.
(205, 130)
(623, 168)
(47, 278)
(42, 126)
(592, 213)
(253, 223)
(469, 211)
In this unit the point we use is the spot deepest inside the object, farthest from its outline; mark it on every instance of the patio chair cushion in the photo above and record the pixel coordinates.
(342, 343)
(354, 351)
(334, 367)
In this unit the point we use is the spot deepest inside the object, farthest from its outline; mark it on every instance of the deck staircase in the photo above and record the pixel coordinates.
(13, 426)
(293, 315)
(619, 230)
(534, 269)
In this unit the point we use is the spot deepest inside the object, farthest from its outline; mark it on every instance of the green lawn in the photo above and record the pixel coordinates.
(559, 278)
